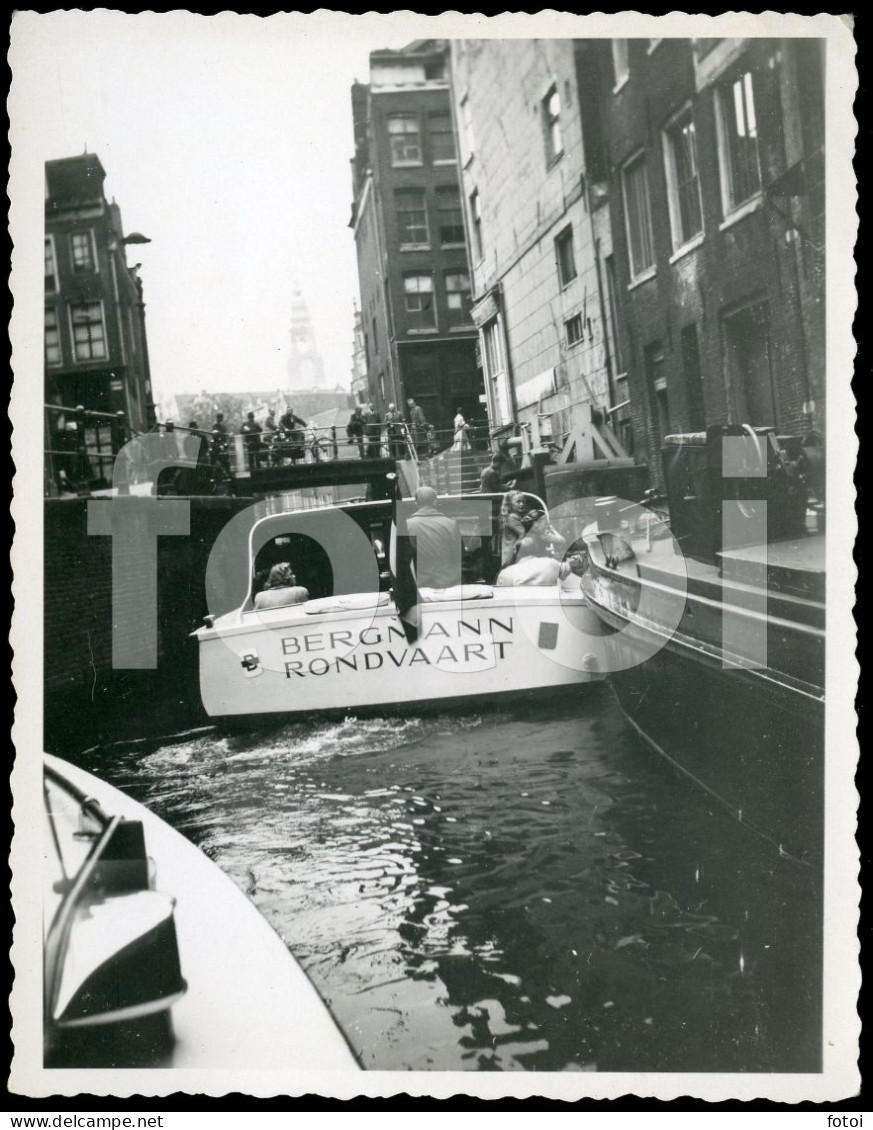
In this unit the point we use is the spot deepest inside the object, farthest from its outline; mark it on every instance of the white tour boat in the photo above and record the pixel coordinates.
(335, 642)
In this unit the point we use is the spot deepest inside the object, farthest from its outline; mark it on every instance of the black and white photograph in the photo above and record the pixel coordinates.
(434, 663)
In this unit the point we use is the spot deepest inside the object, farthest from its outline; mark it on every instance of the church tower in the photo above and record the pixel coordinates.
(305, 367)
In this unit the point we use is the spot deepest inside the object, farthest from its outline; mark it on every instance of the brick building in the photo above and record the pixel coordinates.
(710, 156)
(419, 339)
(96, 354)
(539, 245)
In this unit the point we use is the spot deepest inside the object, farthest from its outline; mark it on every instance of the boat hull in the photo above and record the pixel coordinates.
(753, 738)
(302, 660)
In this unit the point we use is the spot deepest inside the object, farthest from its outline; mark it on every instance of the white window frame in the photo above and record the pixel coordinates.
(440, 193)
(57, 328)
(405, 163)
(407, 193)
(466, 318)
(88, 233)
(50, 241)
(730, 209)
(88, 360)
(620, 64)
(441, 161)
(678, 243)
(646, 272)
(407, 294)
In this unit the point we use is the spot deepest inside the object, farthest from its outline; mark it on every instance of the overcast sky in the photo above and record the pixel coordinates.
(227, 141)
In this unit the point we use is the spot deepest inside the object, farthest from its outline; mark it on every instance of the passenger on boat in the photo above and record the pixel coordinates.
(438, 543)
(281, 589)
(529, 539)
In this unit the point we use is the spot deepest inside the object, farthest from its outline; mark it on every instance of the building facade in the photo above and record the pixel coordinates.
(418, 335)
(711, 157)
(359, 386)
(538, 240)
(96, 353)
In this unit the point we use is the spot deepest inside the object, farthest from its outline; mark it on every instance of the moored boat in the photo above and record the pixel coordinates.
(718, 624)
(154, 958)
(338, 643)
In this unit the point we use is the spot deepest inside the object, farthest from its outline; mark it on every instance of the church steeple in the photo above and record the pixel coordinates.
(305, 367)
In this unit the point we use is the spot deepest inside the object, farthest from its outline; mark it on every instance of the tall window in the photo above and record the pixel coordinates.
(612, 290)
(493, 349)
(82, 251)
(638, 216)
(418, 302)
(565, 256)
(442, 138)
(620, 66)
(693, 377)
(404, 134)
(458, 297)
(737, 127)
(552, 124)
(449, 215)
(412, 217)
(52, 337)
(89, 333)
(467, 119)
(683, 181)
(476, 221)
(51, 267)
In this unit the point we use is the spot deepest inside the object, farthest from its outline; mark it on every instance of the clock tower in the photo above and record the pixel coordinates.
(305, 367)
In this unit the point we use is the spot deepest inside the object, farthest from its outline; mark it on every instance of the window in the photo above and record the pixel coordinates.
(82, 252)
(442, 139)
(683, 181)
(467, 119)
(552, 124)
(52, 337)
(458, 297)
(418, 301)
(493, 349)
(51, 267)
(612, 290)
(737, 129)
(411, 217)
(89, 333)
(565, 257)
(747, 366)
(375, 335)
(404, 134)
(435, 71)
(638, 217)
(573, 326)
(449, 215)
(620, 66)
(476, 220)
(693, 378)
(654, 357)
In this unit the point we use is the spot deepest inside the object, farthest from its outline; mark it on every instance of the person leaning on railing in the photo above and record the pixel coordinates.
(355, 429)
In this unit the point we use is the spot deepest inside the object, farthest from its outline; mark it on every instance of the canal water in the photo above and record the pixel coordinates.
(516, 888)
